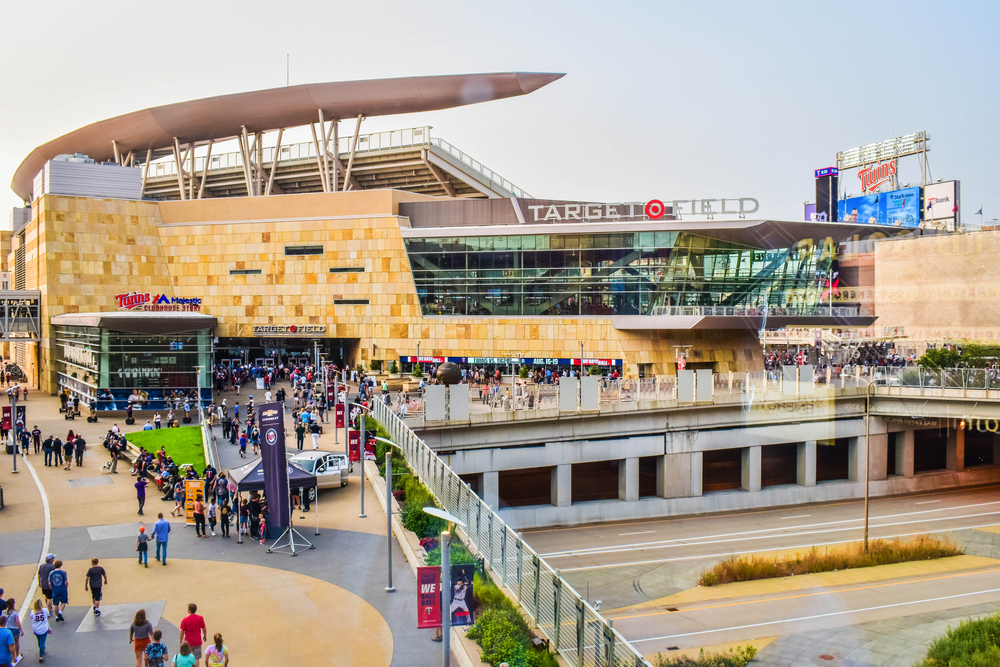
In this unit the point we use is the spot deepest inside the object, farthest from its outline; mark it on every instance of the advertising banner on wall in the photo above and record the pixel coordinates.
(271, 417)
(428, 597)
(941, 205)
(898, 208)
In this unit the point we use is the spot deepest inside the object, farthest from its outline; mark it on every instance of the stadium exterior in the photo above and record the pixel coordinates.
(386, 248)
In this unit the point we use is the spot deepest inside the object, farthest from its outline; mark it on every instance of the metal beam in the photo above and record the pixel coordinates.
(448, 187)
(319, 158)
(245, 152)
(326, 150)
(191, 172)
(334, 133)
(354, 149)
(274, 162)
(259, 165)
(145, 172)
(118, 157)
(180, 169)
(204, 172)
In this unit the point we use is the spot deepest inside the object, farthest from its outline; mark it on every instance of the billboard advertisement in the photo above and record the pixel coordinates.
(899, 208)
(271, 418)
(941, 205)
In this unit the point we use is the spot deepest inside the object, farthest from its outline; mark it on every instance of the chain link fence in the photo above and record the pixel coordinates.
(573, 627)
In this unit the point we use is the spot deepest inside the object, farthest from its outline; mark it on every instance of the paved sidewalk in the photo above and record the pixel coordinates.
(258, 601)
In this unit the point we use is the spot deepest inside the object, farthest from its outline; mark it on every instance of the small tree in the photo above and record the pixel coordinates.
(376, 365)
(417, 371)
(393, 368)
(594, 370)
(524, 372)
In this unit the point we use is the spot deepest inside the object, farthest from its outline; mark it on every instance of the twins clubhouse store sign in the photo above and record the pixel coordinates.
(145, 301)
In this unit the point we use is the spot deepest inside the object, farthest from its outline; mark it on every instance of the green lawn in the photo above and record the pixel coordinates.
(183, 444)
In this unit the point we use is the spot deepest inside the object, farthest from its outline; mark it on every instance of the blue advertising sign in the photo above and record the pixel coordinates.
(827, 171)
(899, 208)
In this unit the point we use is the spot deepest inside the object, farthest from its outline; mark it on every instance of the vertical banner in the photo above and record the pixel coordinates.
(339, 411)
(21, 418)
(7, 424)
(461, 594)
(271, 417)
(428, 597)
(354, 445)
(370, 447)
(194, 489)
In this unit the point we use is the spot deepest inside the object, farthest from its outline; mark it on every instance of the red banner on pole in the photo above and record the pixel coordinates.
(339, 411)
(429, 597)
(6, 418)
(354, 445)
(370, 448)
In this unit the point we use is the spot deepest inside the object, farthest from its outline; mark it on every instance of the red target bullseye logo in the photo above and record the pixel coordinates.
(293, 328)
(655, 209)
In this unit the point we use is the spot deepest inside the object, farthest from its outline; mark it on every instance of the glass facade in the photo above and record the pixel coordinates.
(104, 367)
(629, 273)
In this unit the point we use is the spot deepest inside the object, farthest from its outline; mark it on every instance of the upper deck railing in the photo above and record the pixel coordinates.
(412, 137)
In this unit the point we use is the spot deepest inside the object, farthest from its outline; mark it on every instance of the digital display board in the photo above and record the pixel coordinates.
(899, 208)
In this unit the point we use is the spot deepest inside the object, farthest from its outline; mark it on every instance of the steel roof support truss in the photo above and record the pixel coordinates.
(20, 321)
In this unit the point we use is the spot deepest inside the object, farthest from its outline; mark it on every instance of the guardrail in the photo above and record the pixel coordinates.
(774, 311)
(574, 628)
(479, 168)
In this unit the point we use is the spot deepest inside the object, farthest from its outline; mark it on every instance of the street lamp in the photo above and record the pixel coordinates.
(445, 578)
(869, 384)
(388, 505)
(13, 431)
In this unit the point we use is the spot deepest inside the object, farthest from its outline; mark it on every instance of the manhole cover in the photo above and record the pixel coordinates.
(826, 657)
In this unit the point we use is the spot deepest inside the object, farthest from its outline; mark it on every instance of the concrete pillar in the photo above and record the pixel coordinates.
(673, 476)
(856, 459)
(806, 460)
(956, 450)
(562, 485)
(697, 473)
(751, 469)
(878, 453)
(904, 453)
(489, 487)
(628, 479)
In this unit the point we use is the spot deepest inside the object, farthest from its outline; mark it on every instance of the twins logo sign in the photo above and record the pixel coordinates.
(271, 437)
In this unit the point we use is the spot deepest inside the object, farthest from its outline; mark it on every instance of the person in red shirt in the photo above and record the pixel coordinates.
(193, 631)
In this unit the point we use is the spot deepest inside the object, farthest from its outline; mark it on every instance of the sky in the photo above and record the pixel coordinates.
(666, 100)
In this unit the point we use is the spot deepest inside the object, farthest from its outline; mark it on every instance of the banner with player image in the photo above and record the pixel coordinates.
(461, 594)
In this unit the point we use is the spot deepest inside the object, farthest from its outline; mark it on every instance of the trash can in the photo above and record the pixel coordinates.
(10, 449)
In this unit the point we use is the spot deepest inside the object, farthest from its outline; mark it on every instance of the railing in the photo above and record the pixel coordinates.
(575, 629)
(479, 168)
(773, 311)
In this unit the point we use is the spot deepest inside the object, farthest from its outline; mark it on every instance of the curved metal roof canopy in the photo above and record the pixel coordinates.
(223, 117)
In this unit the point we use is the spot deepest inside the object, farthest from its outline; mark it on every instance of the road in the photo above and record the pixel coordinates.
(624, 564)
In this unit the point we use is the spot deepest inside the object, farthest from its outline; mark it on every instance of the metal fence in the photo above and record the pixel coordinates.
(574, 628)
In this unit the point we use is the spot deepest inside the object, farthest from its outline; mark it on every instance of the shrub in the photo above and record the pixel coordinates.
(393, 368)
(415, 519)
(737, 657)
(417, 372)
(376, 364)
(972, 644)
(524, 372)
(460, 555)
(880, 552)
(594, 370)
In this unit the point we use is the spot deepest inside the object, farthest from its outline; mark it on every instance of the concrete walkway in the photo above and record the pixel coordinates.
(326, 606)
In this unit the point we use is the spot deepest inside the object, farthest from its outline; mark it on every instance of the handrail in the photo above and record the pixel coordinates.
(816, 310)
(574, 628)
(479, 168)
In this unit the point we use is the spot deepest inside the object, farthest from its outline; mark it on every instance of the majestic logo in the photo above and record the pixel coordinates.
(874, 176)
(271, 437)
(132, 301)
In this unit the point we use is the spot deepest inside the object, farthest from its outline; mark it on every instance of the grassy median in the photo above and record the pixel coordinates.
(183, 444)
(737, 657)
(829, 559)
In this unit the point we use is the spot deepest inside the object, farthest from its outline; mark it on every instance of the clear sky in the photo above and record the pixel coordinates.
(661, 99)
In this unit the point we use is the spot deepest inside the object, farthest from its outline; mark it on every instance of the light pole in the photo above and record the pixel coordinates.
(445, 578)
(388, 506)
(868, 418)
(13, 430)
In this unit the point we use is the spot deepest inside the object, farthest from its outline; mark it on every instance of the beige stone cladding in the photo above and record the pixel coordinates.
(82, 252)
(944, 287)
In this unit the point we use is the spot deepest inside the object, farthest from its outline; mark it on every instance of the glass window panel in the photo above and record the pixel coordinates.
(528, 242)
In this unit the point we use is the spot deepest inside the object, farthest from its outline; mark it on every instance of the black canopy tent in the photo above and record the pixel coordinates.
(250, 477)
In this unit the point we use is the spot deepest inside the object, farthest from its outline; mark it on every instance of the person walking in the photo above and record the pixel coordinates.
(161, 530)
(142, 546)
(43, 580)
(156, 421)
(199, 517)
(68, 453)
(225, 517)
(212, 515)
(93, 580)
(47, 450)
(178, 509)
(139, 635)
(156, 652)
(217, 655)
(7, 648)
(79, 447)
(59, 584)
(12, 623)
(300, 434)
(39, 618)
(140, 493)
(57, 450)
(193, 631)
(36, 438)
(314, 428)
